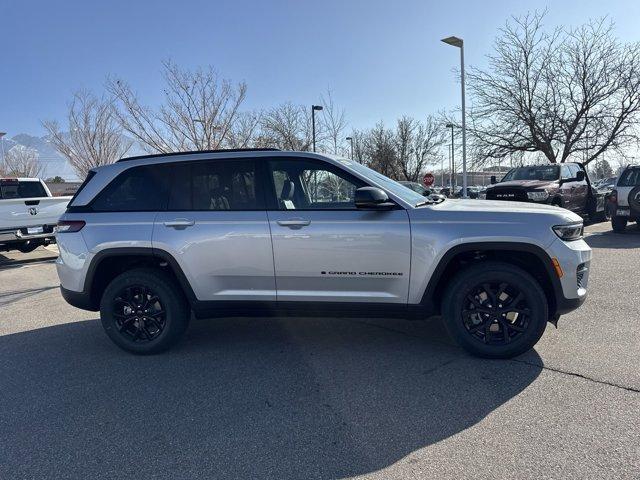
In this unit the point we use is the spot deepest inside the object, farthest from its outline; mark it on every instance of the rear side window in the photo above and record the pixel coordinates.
(630, 178)
(139, 189)
(215, 185)
(21, 189)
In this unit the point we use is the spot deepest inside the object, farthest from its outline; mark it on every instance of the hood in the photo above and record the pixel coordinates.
(525, 184)
(502, 211)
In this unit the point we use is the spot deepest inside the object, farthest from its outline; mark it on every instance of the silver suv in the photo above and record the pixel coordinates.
(149, 240)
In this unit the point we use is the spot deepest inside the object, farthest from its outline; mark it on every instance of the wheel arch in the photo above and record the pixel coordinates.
(529, 257)
(109, 263)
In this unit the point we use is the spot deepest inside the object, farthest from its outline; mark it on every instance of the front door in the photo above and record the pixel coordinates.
(324, 248)
(216, 228)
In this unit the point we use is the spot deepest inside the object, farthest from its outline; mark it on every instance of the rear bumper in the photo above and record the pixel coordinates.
(20, 234)
(80, 300)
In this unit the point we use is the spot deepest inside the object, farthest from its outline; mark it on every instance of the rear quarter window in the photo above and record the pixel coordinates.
(630, 178)
(139, 189)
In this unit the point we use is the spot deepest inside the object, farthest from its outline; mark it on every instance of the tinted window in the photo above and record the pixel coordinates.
(630, 178)
(544, 173)
(139, 189)
(215, 185)
(19, 189)
(308, 185)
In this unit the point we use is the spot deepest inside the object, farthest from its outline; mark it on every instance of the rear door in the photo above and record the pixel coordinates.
(324, 248)
(216, 228)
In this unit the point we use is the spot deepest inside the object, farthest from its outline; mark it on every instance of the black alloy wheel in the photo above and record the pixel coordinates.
(139, 314)
(495, 309)
(496, 313)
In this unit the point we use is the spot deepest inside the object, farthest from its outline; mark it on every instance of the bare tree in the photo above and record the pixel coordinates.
(21, 161)
(92, 136)
(333, 124)
(244, 131)
(287, 127)
(382, 154)
(360, 146)
(564, 93)
(199, 112)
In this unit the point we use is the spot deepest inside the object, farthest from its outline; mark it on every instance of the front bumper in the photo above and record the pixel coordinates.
(575, 260)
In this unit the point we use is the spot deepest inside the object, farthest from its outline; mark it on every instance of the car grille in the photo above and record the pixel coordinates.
(581, 275)
(512, 194)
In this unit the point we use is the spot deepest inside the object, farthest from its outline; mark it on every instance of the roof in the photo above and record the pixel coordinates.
(173, 154)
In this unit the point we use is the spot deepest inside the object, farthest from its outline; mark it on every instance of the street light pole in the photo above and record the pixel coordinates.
(453, 157)
(313, 123)
(2, 134)
(350, 140)
(459, 43)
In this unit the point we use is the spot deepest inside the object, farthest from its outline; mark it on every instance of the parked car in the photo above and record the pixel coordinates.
(148, 240)
(565, 185)
(472, 192)
(625, 199)
(28, 213)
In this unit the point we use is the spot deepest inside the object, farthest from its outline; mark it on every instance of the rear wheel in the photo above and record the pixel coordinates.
(144, 311)
(619, 224)
(495, 310)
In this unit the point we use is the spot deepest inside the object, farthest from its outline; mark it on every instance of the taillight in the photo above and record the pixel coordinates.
(69, 226)
(613, 198)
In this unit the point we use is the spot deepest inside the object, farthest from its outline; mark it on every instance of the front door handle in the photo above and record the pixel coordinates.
(294, 223)
(179, 223)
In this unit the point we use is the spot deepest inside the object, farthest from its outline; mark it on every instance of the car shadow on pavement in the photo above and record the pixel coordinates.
(629, 239)
(241, 398)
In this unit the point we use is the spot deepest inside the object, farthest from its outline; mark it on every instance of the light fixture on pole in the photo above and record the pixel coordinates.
(313, 123)
(350, 140)
(459, 43)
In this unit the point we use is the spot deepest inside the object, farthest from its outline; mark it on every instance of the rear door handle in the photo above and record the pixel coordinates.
(179, 223)
(294, 223)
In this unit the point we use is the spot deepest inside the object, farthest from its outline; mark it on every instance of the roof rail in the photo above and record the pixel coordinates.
(222, 150)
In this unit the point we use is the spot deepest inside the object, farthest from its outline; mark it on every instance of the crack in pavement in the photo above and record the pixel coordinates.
(542, 367)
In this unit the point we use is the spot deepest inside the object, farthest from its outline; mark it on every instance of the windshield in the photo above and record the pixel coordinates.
(392, 186)
(630, 178)
(543, 172)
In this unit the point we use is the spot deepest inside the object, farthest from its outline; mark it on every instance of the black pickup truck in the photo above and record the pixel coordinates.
(566, 185)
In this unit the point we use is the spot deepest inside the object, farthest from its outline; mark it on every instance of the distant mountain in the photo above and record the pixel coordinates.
(54, 163)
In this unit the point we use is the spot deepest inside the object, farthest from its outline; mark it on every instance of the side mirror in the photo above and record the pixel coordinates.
(493, 179)
(372, 197)
(580, 176)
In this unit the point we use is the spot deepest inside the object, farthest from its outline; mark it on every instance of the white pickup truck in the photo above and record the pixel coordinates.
(28, 213)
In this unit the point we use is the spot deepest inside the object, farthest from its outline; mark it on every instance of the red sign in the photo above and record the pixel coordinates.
(428, 179)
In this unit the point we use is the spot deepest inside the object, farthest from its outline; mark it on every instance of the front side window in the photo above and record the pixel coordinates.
(301, 184)
(216, 185)
(139, 189)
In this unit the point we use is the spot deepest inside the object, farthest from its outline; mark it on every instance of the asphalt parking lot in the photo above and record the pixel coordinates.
(319, 398)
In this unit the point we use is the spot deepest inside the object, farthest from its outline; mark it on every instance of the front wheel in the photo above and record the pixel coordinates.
(619, 224)
(495, 310)
(144, 311)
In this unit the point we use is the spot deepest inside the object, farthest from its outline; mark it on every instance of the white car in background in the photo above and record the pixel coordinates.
(625, 199)
(28, 213)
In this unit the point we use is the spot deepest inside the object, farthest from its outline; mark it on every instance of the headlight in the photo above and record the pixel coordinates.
(538, 196)
(569, 232)
(482, 196)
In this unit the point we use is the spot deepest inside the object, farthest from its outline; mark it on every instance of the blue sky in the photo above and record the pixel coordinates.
(381, 59)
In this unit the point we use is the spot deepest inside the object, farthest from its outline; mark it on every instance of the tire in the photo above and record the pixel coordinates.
(153, 327)
(619, 224)
(483, 334)
(28, 246)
